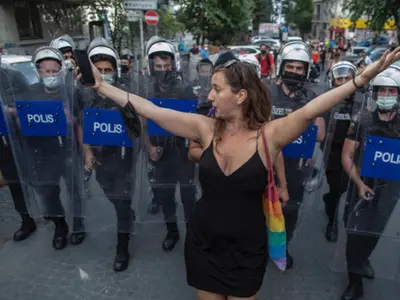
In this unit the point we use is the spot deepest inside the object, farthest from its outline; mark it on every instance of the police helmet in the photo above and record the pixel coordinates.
(158, 45)
(294, 51)
(127, 54)
(63, 43)
(341, 69)
(100, 50)
(388, 78)
(47, 53)
(252, 60)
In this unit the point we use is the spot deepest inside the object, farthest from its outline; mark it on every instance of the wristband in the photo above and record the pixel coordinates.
(354, 82)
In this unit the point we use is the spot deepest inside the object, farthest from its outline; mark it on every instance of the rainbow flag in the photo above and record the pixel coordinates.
(275, 224)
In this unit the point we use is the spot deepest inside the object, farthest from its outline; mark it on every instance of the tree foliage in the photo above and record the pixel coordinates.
(263, 12)
(298, 14)
(216, 20)
(115, 11)
(63, 18)
(168, 25)
(378, 11)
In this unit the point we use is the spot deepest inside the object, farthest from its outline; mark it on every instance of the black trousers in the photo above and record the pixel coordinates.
(173, 167)
(365, 222)
(116, 178)
(295, 185)
(10, 173)
(338, 181)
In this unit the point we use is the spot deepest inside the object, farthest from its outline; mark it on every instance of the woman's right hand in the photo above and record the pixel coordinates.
(96, 74)
(379, 66)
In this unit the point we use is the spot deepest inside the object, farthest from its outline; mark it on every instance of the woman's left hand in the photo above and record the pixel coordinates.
(379, 66)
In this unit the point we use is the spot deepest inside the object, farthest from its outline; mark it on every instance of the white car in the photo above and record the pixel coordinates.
(355, 51)
(246, 49)
(23, 64)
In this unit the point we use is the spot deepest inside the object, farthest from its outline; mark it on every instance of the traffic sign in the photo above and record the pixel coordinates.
(134, 15)
(151, 17)
(140, 4)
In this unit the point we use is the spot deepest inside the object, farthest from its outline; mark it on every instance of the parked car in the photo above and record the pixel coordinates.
(245, 49)
(23, 64)
(355, 51)
(379, 41)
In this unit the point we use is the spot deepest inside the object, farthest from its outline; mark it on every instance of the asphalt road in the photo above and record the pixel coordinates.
(33, 270)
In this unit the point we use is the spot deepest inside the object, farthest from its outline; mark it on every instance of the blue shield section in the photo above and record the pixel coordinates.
(42, 118)
(104, 127)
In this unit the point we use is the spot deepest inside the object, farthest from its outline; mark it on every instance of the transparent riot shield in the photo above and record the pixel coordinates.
(44, 137)
(170, 174)
(370, 245)
(109, 160)
(332, 178)
(17, 195)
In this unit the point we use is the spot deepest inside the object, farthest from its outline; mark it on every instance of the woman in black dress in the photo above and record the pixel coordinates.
(226, 247)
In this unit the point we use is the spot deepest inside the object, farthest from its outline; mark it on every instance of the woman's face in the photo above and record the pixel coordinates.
(226, 103)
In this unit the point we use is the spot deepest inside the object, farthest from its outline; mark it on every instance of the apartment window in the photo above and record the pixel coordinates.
(28, 20)
(318, 11)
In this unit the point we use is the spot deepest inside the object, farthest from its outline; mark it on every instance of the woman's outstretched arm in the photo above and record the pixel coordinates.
(191, 126)
(285, 130)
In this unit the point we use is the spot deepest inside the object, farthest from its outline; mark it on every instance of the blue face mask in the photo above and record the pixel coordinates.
(109, 78)
(51, 82)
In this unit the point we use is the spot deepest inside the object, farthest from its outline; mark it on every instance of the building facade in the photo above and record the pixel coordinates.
(26, 25)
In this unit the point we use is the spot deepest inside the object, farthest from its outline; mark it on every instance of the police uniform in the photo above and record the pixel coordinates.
(374, 214)
(336, 177)
(173, 166)
(114, 169)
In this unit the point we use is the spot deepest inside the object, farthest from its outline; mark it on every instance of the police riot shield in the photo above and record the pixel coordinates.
(109, 158)
(169, 172)
(332, 178)
(11, 83)
(44, 135)
(370, 245)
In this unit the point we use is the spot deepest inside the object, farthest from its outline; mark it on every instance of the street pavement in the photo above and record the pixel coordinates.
(33, 270)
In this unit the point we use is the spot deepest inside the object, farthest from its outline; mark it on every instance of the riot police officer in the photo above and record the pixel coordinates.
(289, 94)
(50, 157)
(201, 87)
(127, 59)
(168, 153)
(66, 45)
(114, 165)
(371, 198)
(339, 121)
(12, 83)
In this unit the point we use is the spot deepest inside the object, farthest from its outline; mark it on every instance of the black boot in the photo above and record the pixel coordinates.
(172, 236)
(122, 257)
(367, 270)
(355, 289)
(27, 228)
(60, 233)
(78, 235)
(289, 260)
(331, 233)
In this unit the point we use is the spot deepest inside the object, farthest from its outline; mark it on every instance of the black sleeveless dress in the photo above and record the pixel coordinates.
(226, 238)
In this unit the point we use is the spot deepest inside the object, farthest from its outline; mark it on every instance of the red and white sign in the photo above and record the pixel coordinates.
(151, 17)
